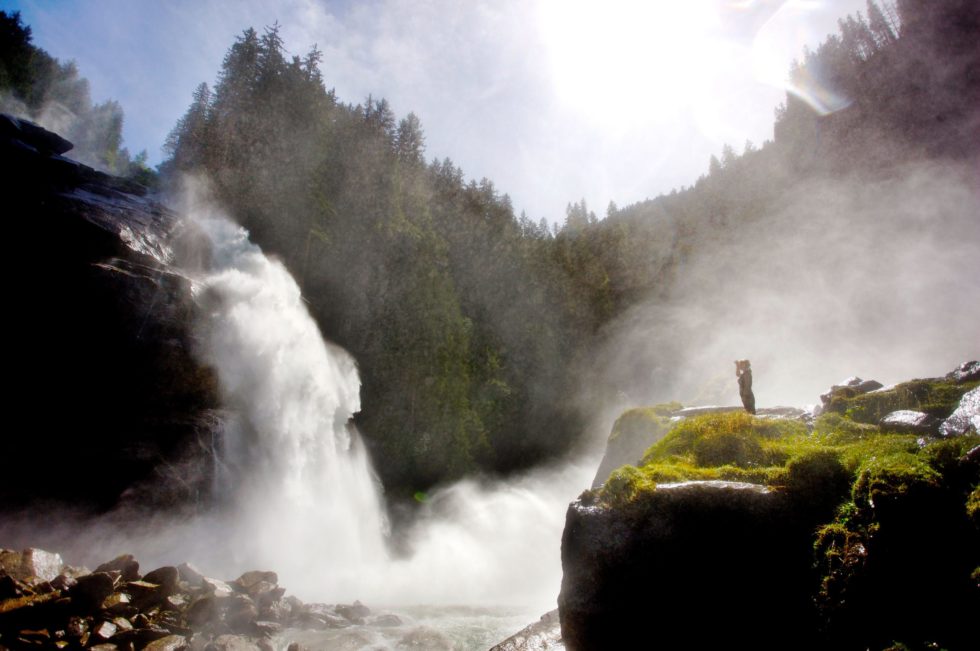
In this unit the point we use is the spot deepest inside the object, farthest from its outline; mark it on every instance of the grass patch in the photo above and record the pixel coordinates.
(936, 397)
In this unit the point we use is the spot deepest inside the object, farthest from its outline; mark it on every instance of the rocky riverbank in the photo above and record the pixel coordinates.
(48, 605)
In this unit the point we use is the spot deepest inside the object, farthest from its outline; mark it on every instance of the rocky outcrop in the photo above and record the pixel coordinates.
(966, 418)
(909, 421)
(110, 398)
(168, 609)
(734, 556)
(542, 635)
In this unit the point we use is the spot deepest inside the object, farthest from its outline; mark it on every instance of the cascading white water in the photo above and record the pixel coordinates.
(294, 475)
(297, 490)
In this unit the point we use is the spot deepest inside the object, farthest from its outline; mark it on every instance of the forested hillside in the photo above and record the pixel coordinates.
(474, 328)
(39, 87)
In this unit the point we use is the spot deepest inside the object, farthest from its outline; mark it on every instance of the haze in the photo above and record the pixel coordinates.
(553, 101)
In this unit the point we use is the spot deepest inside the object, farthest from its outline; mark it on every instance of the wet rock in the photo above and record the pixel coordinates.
(127, 566)
(966, 417)
(190, 574)
(663, 558)
(542, 635)
(907, 421)
(355, 612)
(166, 577)
(9, 588)
(33, 135)
(426, 638)
(122, 624)
(91, 591)
(105, 646)
(201, 611)
(31, 566)
(250, 579)
(144, 594)
(141, 636)
(319, 617)
(104, 630)
(385, 621)
(850, 387)
(965, 372)
(216, 587)
(168, 643)
(232, 643)
(241, 614)
(296, 646)
(266, 628)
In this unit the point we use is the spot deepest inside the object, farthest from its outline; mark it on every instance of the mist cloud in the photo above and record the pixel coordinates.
(875, 278)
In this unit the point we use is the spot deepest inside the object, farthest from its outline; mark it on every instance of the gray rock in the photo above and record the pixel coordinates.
(966, 417)
(542, 635)
(216, 587)
(907, 421)
(250, 579)
(127, 566)
(426, 638)
(853, 385)
(965, 372)
(91, 590)
(355, 612)
(166, 577)
(168, 643)
(190, 574)
(386, 620)
(31, 566)
(233, 643)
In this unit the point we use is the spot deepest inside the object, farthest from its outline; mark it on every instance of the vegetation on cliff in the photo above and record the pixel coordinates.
(37, 86)
(894, 516)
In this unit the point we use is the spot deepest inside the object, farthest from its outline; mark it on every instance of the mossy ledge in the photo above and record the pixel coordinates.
(777, 535)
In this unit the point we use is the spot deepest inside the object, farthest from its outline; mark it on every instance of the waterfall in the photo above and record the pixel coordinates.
(293, 474)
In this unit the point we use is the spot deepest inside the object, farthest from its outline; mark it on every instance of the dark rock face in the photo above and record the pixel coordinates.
(735, 557)
(102, 370)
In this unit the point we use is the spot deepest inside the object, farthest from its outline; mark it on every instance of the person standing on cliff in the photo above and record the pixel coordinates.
(743, 371)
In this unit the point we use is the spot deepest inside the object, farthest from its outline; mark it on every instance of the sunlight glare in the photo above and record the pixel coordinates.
(621, 62)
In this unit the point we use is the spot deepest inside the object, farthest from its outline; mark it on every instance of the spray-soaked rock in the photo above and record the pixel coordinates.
(965, 372)
(165, 577)
(907, 421)
(90, 591)
(852, 386)
(168, 643)
(966, 417)
(127, 566)
(31, 565)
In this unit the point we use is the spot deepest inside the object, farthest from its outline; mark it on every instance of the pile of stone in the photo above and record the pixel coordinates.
(48, 605)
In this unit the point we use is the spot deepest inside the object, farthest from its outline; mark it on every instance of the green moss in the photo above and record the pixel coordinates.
(973, 506)
(624, 486)
(936, 397)
(889, 479)
(836, 429)
(643, 421)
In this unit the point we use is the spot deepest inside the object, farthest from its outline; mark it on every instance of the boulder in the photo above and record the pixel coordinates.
(542, 635)
(966, 417)
(965, 372)
(728, 552)
(907, 421)
(33, 135)
(90, 591)
(168, 643)
(127, 566)
(852, 386)
(355, 612)
(31, 566)
(165, 577)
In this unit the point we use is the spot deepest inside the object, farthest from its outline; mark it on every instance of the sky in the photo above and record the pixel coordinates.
(553, 100)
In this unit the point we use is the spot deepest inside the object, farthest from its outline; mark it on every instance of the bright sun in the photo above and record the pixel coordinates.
(623, 64)
(629, 60)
